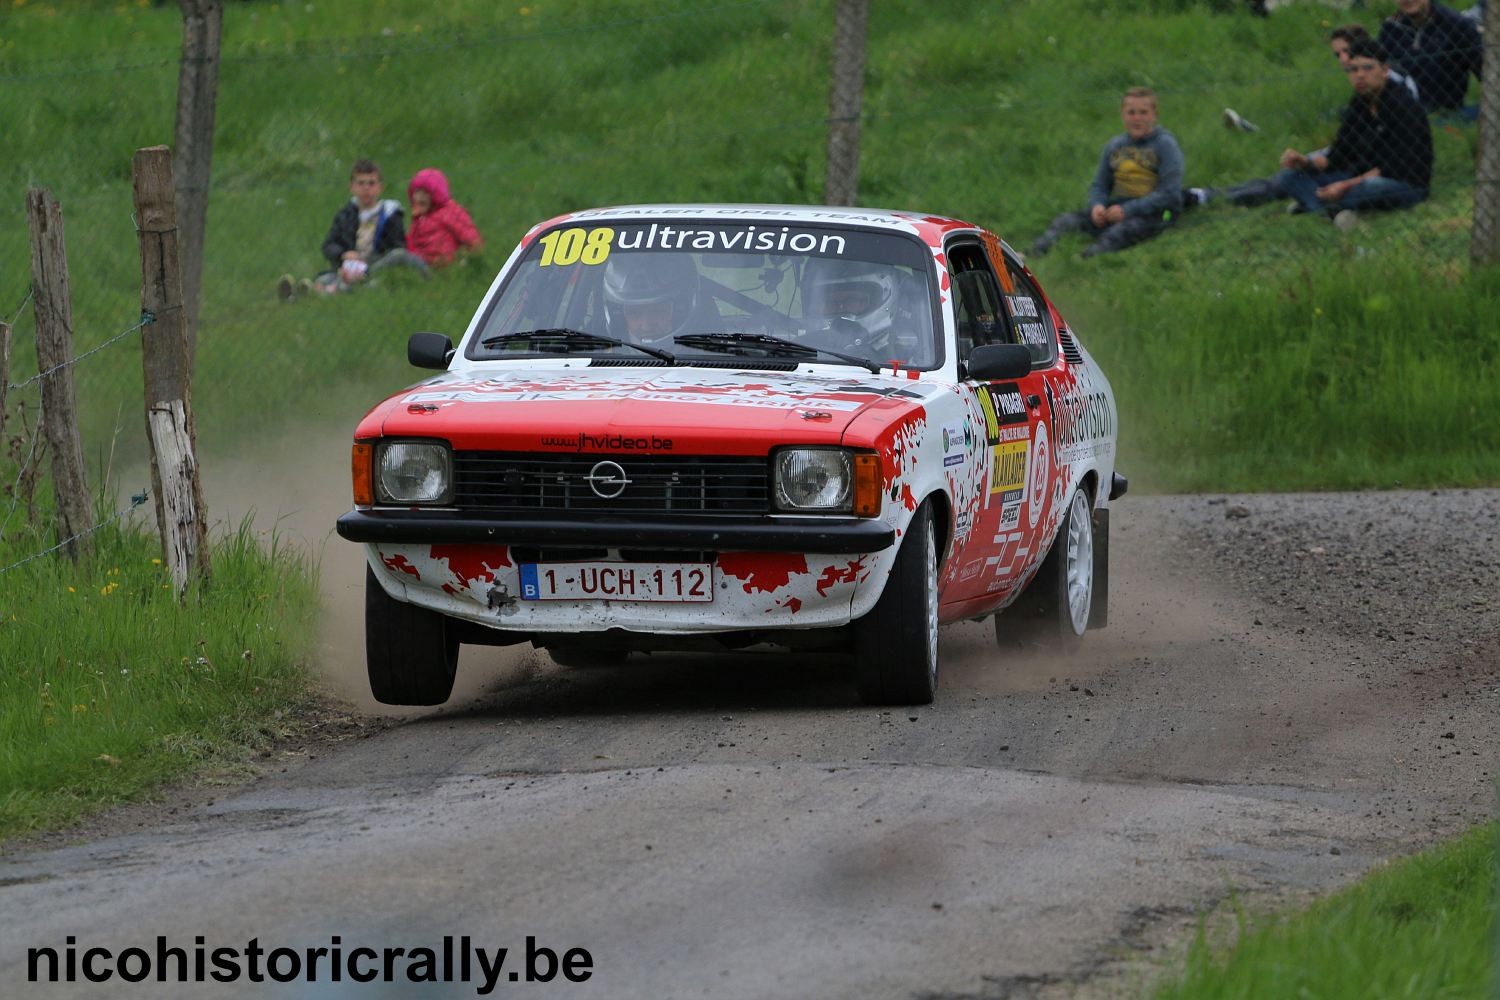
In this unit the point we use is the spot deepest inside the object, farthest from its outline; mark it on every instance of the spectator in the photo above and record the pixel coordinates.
(1136, 188)
(1347, 34)
(1438, 48)
(440, 227)
(1380, 158)
(1259, 191)
(368, 233)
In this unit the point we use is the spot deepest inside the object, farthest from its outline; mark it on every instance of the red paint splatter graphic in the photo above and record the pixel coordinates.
(400, 564)
(832, 575)
(907, 499)
(766, 572)
(472, 562)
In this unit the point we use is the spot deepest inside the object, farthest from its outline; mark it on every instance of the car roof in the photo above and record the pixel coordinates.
(930, 228)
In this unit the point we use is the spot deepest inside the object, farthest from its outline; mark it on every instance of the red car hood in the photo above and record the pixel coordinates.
(682, 410)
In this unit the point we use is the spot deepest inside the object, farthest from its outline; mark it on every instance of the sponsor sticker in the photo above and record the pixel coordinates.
(1037, 476)
(1003, 407)
(1008, 474)
(954, 446)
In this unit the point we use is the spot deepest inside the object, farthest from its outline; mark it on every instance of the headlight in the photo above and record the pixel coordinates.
(814, 479)
(414, 472)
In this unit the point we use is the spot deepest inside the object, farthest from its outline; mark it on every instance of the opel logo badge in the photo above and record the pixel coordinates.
(607, 480)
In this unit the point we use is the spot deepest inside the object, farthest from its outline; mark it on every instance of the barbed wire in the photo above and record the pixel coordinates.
(135, 501)
(15, 487)
(25, 301)
(608, 140)
(147, 318)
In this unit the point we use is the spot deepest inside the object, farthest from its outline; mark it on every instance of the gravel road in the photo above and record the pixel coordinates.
(1292, 689)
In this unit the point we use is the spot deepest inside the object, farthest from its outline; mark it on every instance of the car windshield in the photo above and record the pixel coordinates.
(795, 293)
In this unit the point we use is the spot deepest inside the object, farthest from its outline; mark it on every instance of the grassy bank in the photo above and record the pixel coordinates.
(110, 685)
(1424, 927)
(1249, 350)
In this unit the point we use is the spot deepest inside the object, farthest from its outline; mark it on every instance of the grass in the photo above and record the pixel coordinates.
(1421, 928)
(111, 686)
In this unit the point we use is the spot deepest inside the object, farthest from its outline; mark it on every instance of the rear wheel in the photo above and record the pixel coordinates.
(896, 644)
(411, 653)
(1054, 610)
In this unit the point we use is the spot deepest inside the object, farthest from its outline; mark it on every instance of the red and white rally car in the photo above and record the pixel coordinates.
(690, 426)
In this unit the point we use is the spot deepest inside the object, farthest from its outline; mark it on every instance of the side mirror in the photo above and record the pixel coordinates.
(429, 350)
(999, 361)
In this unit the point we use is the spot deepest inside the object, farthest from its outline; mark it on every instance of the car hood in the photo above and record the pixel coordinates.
(681, 410)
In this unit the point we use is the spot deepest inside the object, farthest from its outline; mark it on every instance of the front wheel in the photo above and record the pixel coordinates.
(411, 653)
(896, 644)
(1054, 611)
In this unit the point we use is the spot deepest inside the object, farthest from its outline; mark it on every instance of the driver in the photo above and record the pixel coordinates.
(649, 298)
(862, 308)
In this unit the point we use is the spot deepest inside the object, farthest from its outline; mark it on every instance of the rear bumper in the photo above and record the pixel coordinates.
(841, 537)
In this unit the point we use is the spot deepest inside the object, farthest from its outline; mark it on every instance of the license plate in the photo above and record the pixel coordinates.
(615, 581)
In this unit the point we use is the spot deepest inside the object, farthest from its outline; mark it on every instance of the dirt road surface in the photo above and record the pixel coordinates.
(1292, 689)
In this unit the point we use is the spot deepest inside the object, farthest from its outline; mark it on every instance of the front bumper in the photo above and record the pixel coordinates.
(783, 534)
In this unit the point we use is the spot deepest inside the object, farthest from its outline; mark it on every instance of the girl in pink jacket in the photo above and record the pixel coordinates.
(440, 226)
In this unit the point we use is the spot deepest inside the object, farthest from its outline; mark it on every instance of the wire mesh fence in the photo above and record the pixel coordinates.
(996, 113)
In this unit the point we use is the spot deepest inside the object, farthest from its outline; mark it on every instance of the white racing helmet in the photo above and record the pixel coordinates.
(860, 307)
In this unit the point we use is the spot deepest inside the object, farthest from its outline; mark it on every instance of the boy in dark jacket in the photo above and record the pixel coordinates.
(368, 233)
(1136, 188)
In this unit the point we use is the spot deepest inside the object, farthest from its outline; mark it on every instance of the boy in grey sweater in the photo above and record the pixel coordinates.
(1136, 189)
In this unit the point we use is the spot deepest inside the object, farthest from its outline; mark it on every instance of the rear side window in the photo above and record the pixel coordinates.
(1030, 317)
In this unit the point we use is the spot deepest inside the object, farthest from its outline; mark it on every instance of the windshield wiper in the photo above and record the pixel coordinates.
(580, 338)
(767, 346)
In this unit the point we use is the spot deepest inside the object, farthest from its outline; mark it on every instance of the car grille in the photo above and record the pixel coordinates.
(519, 482)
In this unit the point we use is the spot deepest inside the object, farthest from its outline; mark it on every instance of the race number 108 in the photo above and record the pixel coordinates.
(569, 246)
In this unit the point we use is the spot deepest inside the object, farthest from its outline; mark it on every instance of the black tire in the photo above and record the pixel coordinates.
(585, 657)
(1054, 610)
(896, 644)
(411, 653)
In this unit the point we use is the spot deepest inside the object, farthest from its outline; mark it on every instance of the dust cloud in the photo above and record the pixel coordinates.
(1154, 605)
(296, 485)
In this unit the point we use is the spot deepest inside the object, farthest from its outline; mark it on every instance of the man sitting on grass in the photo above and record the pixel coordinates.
(1136, 189)
(1381, 157)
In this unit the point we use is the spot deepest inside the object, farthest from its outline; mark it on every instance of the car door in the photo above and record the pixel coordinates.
(1003, 513)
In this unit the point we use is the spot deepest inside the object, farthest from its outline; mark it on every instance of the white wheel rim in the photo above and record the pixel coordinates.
(1080, 563)
(932, 604)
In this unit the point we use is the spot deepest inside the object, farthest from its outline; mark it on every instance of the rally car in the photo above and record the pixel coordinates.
(726, 426)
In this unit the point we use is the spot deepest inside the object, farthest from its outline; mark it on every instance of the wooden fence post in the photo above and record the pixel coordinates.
(197, 95)
(54, 351)
(845, 98)
(180, 513)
